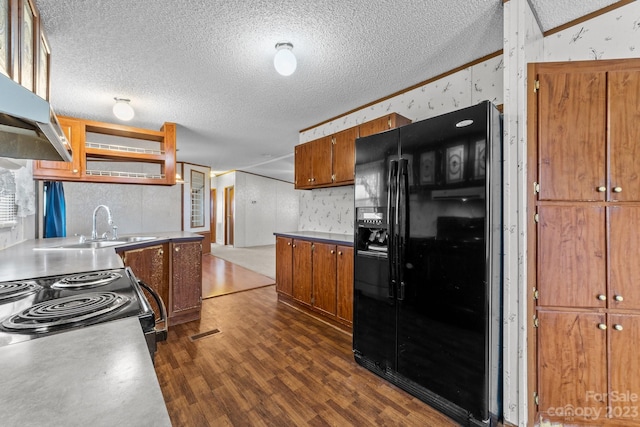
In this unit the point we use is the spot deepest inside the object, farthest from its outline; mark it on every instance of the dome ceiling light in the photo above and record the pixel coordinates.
(284, 60)
(122, 110)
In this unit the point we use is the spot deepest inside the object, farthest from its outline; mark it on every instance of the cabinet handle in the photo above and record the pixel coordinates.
(602, 326)
(75, 171)
(617, 189)
(178, 249)
(618, 298)
(602, 297)
(339, 252)
(602, 189)
(289, 243)
(160, 251)
(617, 327)
(332, 251)
(308, 179)
(294, 246)
(313, 180)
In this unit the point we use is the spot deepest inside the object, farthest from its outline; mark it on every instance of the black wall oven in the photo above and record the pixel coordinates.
(37, 307)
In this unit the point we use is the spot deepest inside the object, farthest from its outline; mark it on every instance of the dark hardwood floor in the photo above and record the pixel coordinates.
(271, 365)
(220, 277)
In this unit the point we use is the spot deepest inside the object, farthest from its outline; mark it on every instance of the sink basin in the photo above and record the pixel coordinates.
(97, 244)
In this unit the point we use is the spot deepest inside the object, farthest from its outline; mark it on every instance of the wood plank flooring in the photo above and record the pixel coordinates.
(220, 277)
(270, 365)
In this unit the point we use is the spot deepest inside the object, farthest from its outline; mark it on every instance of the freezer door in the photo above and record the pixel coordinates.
(442, 310)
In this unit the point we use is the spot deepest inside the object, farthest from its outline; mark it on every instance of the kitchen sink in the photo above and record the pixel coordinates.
(97, 244)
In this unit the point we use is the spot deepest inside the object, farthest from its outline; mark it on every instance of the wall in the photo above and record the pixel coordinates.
(262, 207)
(135, 208)
(327, 209)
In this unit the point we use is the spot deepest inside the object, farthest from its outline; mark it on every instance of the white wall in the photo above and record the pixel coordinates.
(262, 207)
(327, 209)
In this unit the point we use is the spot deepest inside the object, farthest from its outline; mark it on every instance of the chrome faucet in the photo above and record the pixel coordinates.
(114, 228)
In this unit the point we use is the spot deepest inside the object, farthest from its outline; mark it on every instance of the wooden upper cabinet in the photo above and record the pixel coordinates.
(284, 265)
(572, 136)
(303, 165)
(302, 271)
(321, 158)
(67, 171)
(624, 113)
(344, 155)
(390, 121)
(324, 277)
(572, 256)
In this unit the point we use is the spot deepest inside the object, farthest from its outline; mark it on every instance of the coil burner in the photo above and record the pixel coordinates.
(15, 290)
(65, 312)
(91, 279)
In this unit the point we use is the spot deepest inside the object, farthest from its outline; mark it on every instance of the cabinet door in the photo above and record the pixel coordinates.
(624, 112)
(572, 361)
(624, 246)
(324, 278)
(186, 276)
(344, 150)
(284, 265)
(345, 283)
(624, 330)
(572, 136)
(303, 165)
(302, 269)
(66, 171)
(151, 265)
(321, 159)
(571, 256)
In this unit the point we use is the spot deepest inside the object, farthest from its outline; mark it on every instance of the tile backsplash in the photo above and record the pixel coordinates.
(327, 209)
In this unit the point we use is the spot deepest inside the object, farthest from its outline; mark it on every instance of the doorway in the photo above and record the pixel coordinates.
(229, 214)
(212, 208)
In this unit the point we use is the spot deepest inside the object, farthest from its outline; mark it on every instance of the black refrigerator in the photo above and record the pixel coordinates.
(427, 267)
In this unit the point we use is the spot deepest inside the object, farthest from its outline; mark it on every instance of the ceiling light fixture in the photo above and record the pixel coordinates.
(284, 61)
(122, 109)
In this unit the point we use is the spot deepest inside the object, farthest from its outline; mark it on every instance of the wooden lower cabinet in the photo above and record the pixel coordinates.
(284, 265)
(186, 276)
(344, 283)
(174, 271)
(588, 369)
(316, 277)
(151, 265)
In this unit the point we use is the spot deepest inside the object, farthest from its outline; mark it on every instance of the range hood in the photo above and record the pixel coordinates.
(29, 128)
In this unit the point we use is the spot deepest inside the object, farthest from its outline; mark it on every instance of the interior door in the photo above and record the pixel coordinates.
(213, 216)
(229, 214)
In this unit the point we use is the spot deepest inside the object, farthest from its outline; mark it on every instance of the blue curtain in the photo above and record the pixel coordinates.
(55, 219)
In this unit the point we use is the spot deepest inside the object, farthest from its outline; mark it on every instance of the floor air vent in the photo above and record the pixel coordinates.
(201, 335)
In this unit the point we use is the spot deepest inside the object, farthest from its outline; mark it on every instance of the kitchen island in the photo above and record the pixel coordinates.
(99, 375)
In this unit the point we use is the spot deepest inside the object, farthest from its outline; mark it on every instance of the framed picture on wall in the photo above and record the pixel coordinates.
(455, 163)
(428, 168)
(479, 164)
(27, 45)
(44, 56)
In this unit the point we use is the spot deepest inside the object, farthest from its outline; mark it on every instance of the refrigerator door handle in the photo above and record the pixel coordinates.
(403, 222)
(391, 199)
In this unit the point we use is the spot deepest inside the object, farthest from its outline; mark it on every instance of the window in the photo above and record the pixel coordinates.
(197, 199)
(8, 208)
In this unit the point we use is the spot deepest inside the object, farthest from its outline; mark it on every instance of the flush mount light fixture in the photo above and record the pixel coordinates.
(284, 61)
(122, 109)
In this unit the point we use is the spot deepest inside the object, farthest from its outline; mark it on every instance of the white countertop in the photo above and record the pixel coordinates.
(95, 376)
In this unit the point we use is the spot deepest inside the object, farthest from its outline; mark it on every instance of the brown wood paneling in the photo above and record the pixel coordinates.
(624, 289)
(572, 251)
(624, 330)
(571, 135)
(345, 283)
(324, 278)
(624, 134)
(46, 169)
(572, 361)
(302, 271)
(344, 151)
(284, 265)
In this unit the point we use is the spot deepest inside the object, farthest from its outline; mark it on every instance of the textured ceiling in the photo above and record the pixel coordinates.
(207, 65)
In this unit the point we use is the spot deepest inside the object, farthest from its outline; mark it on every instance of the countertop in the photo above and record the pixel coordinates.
(96, 376)
(21, 261)
(318, 236)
